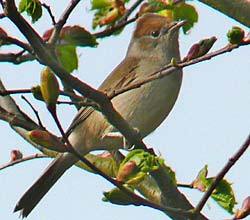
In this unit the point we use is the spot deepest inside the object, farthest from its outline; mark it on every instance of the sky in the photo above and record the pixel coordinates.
(208, 124)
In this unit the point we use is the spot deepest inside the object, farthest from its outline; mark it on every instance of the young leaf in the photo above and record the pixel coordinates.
(187, 12)
(105, 162)
(32, 7)
(46, 140)
(223, 194)
(136, 165)
(74, 36)
(109, 14)
(98, 4)
(77, 36)
(118, 197)
(68, 57)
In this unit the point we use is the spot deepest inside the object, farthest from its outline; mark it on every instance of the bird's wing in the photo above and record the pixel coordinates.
(122, 75)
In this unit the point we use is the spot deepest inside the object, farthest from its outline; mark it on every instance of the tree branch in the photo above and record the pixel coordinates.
(110, 30)
(17, 42)
(62, 21)
(130, 11)
(16, 58)
(47, 7)
(236, 9)
(222, 173)
(31, 157)
(171, 68)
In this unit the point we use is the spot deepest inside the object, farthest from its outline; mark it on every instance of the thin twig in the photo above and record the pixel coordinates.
(19, 43)
(14, 91)
(15, 120)
(15, 58)
(170, 68)
(47, 7)
(130, 11)
(62, 21)
(109, 31)
(185, 185)
(222, 173)
(34, 110)
(31, 157)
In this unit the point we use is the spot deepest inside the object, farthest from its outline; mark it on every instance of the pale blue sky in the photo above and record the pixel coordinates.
(208, 124)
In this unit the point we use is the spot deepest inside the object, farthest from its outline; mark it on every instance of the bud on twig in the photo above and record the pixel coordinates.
(125, 171)
(36, 91)
(47, 140)
(201, 48)
(245, 209)
(15, 155)
(235, 35)
(49, 88)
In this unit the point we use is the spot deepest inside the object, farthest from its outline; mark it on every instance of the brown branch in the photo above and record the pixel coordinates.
(130, 11)
(16, 58)
(170, 68)
(185, 185)
(17, 42)
(222, 173)
(236, 9)
(110, 30)
(23, 91)
(47, 7)
(31, 157)
(14, 91)
(15, 120)
(35, 111)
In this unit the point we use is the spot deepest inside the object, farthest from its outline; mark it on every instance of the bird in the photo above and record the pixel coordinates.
(154, 43)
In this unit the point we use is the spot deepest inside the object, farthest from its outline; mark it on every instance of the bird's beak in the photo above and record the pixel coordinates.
(177, 25)
(174, 26)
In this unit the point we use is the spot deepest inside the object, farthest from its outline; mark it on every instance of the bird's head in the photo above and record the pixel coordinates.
(154, 35)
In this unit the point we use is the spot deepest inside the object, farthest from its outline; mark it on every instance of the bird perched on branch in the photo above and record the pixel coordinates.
(154, 43)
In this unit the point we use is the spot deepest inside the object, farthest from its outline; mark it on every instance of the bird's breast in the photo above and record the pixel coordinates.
(145, 108)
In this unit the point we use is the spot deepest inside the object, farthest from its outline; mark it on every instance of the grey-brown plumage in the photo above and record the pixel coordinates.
(153, 45)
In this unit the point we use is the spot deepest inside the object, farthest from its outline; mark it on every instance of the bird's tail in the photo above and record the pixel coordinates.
(38, 190)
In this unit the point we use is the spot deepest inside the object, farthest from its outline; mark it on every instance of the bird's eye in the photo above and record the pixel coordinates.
(155, 34)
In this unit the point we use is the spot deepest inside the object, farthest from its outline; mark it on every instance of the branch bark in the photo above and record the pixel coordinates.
(236, 9)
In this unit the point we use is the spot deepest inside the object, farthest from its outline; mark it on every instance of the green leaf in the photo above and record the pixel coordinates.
(170, 172)
(118, 197)
(187, 12)
(98, 4)
(105, 16)
(105, 162)
(136, 165)
(22, 5)
(68, 57)
(77, 36)
(32, 7)
(223, 193)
